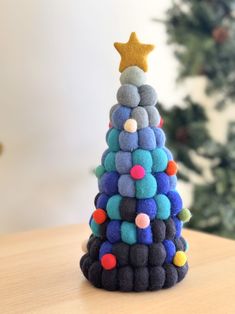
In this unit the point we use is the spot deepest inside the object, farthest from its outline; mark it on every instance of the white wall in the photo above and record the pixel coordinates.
(58, 79)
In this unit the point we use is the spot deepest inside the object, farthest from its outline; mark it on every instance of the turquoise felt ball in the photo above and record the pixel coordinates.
(113, 140)
(109, 162)
(128, 233)
(160, 160)
(112, 207)
(163, 206)
(142, 157)
(146, 187)
(95, 228)
(99, 171)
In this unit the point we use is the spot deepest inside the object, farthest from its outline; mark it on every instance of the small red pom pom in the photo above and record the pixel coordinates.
(171, 168)
(108, 261)
(99, 216)
(160, 125)
(137, 172)
(110, 125)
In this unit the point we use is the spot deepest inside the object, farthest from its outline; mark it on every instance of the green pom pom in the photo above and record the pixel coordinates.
(160, 160)
(113, 140)
(112, 207)
(128, 233)
(185, 215)
(163, 206)
(95, 228)
(99, 171)
(146, 187)
(142, 157)
(109, 162)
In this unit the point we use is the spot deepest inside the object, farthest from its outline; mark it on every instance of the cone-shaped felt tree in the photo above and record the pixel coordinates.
(136, 241)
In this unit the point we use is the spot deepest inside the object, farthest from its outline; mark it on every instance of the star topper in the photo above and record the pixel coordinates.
(133, 53)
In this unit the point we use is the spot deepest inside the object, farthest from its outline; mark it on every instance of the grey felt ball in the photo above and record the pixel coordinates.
(128, 95)
(148, 95)
(112, 109)
(133, 75)
(141, 117)
(153, 115)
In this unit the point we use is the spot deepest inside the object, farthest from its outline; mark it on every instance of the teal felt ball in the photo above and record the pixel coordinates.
(146, 187)
(113, 140)
(99, 171)
(109, 162)
(142, 157)
(128, 233)
(95, 228)
(112, 207)
(163, 206)
(160, 160)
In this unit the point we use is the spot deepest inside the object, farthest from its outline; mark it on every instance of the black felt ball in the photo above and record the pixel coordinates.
(139, 255)
(157, 254)
(125, 278)
(95, 274)
(171, 275)
(158, 230)
(141, 279)
(121, 251)
(156, 277)
(182, 271)
(91, 239)
(179, 245)
(103, 228)
(128, 209)
(96, 198)
(94, 249)
(85, 266)
(109, 279)
(170, 229)
(184, 243)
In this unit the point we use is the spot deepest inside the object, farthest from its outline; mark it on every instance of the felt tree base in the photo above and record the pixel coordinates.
(139, 267)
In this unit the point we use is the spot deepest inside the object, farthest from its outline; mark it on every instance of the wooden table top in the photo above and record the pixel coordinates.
(39, 273)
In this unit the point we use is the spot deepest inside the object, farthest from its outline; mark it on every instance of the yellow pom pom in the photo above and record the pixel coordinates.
(84, 246)
(180, 258)
(130, 125)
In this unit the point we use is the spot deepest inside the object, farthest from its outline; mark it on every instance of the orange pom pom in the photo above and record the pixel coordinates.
(108, 261)
(99, 216)
(171, 168)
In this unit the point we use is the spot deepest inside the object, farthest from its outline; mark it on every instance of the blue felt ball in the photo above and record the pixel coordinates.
(123, 162)
(105, 153)
(176, 202)
(163, 206)
(146, 187)
(144, 236)
(126, 186)
(160, 160)
(128, 141)
(163, 182)
(143, 158)
(147, 206)
(106, 247)
(101, 201)
(119, 116)
(109, 183)
(95, 228)
(128, 95)
(113, 140)
(128, 232)
(113, 231)
(159, 136)
(146, 138)
(170, 250)
(173, 182)
(168, 153)
(178, 226)
(113, 207)
(109, 162)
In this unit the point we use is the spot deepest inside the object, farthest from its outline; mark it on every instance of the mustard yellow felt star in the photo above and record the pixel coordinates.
(133, 53)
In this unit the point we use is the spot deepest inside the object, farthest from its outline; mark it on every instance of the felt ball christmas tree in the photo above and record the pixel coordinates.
(136, 241)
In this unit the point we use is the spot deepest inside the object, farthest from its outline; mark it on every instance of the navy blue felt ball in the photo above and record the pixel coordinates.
(147, 139)
(176, 202)
(163, 182)
(147, 206)
(119, 116)
(170, 250)
(178, 226)
(102, 200)
(128, 141)
(106, 247)
(113, 231)
(109, 183)
(159, 136)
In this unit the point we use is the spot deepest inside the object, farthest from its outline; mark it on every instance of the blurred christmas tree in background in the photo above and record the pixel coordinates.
(203, 35)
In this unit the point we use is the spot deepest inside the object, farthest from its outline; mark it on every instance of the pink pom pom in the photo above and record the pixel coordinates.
(137, 172)
(160, 125)
(142, 221)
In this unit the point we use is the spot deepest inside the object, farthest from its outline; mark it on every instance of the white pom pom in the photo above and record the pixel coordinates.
(133, 75)
(84, 246)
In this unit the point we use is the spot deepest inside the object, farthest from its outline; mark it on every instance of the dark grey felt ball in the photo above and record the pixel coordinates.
(128, 209)
(157, 254)
(141, 279)
(139, 255)
(171, 275)
(125, 278)
(121, 251)
(95, 274)
(158, 230)
(128, 95)
(109, 279)
(156, 278)
(182, 271)
(86, 264)
(170, 229)
(94, 249)
(148, 95)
